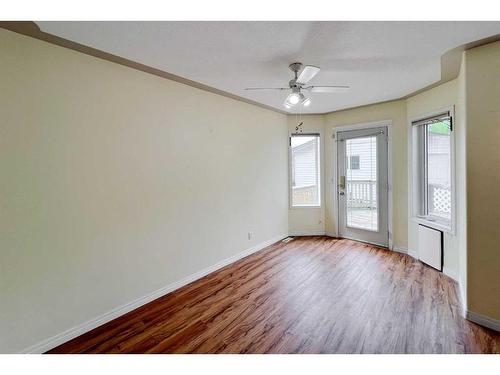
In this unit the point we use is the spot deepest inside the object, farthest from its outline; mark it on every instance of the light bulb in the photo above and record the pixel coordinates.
(293, 98)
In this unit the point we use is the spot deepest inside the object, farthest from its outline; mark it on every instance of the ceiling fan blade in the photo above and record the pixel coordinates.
(307, 74)
(268, 88)
(327, 89)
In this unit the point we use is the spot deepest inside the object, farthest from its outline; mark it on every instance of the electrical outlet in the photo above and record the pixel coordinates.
(250, 234)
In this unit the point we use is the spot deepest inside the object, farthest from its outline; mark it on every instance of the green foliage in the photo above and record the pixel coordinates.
(442, 127)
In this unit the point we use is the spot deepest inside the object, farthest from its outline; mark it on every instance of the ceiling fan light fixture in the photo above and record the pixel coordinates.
(293, 98)
(299, 83)
(296, 98)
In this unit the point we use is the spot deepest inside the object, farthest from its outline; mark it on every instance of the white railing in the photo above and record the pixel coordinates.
(362, 194)
(304, 195)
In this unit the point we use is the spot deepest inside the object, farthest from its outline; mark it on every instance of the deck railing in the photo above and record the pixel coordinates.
(362, 194)
(304, 195)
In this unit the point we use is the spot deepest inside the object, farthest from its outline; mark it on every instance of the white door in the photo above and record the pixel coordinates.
(362, 188)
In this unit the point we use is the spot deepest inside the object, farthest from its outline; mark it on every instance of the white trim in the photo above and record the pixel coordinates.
(431, 224)
(390, 205)
(80, 329)
(450, 273)
(447, 271)
(463, 297)
(413, 253)
(333, 190)
(483, 320)
(299, 233)
(400, 249)
(302, 207)
(361, 241)
(331, 234)
(412, 165)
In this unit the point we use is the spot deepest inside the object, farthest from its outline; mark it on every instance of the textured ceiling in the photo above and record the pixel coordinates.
(379, 60)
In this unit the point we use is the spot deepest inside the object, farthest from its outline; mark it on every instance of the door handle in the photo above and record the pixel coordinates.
(342, 182)
(341, 186)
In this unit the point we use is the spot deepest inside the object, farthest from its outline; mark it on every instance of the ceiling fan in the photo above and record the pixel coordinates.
(298, 84)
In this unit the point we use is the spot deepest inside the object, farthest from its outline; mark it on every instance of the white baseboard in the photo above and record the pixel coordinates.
(447, 271)
(450, 273)
(80, 329)
(331, 234)
(483, 320)
(400, 249)
(307, 233)
(413, 253)
(463, 297)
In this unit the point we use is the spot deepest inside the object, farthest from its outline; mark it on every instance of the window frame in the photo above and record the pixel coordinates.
(291, 172)
(418, 193)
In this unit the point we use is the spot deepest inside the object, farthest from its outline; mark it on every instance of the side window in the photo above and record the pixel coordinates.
(305, 170)
(432, 163)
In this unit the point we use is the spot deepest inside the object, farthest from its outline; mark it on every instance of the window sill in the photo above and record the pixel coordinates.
(303, 207)
(433, 223)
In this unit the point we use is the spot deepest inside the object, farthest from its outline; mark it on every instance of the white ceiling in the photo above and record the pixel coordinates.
(379, 60)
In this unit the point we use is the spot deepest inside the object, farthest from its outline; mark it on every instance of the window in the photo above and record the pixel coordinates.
(304, 170)
(432, 174)
(354, 162)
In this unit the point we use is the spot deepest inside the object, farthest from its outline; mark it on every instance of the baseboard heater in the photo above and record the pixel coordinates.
(430, 246)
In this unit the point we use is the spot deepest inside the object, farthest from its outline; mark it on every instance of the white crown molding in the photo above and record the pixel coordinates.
(80, 329)
(449, 62)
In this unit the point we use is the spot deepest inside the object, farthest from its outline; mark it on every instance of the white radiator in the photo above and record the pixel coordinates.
(430, 246)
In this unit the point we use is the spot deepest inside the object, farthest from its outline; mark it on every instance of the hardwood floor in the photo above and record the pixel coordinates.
(311, 295)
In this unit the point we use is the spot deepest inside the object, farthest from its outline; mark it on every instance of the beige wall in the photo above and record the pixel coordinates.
(435, 99)
(115, 183)
(482, 97)
(309, 220)
(396, 112)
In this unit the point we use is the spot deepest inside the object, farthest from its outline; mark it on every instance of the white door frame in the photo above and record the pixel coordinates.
(359, 126)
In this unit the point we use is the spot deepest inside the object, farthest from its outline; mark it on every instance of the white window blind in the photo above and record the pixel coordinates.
(305, 167)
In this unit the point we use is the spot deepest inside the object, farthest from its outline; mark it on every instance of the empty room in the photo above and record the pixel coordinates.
(258, 187)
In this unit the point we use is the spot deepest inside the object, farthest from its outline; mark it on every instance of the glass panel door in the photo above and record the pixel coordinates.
(362, 185)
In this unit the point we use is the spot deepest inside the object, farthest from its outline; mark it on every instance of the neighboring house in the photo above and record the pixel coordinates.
(439, 159)
(362, 171)
(362, 160)
(361, 174)
(305, 157)
(439, 178)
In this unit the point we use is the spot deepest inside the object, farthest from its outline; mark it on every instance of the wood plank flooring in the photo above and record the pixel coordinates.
(311, 295)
